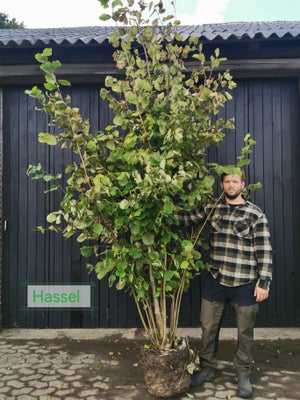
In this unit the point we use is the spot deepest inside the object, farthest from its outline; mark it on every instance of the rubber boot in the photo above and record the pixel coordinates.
(205, 375)
(244, 386)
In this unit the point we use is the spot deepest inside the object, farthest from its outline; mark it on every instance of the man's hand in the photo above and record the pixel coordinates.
(260, 294)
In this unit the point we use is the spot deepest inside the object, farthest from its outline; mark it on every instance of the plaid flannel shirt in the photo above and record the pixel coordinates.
(240, 249)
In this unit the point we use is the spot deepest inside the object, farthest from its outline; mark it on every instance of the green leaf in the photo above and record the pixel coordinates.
(199, 265)
(187, 245)
(42, 57)
(121, 284)
(116, 3)
(168, 275)
(135, 228)
(135, 254)
(209, 181)
(103, 268)
(254, 186)
(36, 170)
(105, 17)
(243, 162)
(154, 256)
(51, 217)
(64, 82)
(143, 84)
(52, 188)
(41, 229)
(101, 181)
(51, 140)
(168, 207)
(123, 178)
(124, 204)
(82, 237)
(114, 37)
(148, 239)
(50, 86)
(48, 178)
(184, 265)
(90, 267)
(86, 251)
(190, 396)
(131, 97)
(111, 279)
(104, 3)
(118, 120)
(97, 228)
(67, 235)
(166, 238)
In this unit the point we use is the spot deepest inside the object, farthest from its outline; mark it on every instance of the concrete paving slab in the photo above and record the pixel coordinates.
(103, 364)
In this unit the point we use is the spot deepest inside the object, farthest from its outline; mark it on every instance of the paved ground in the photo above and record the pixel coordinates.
(103, 365)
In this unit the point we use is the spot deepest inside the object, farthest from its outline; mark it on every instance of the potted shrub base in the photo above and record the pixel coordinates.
(165, 372)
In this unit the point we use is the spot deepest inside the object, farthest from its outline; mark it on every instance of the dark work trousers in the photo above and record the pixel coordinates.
(243, 302)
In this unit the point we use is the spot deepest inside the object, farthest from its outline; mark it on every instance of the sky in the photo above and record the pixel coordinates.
(75, 13)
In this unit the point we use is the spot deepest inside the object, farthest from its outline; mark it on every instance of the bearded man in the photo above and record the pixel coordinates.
(240, 274)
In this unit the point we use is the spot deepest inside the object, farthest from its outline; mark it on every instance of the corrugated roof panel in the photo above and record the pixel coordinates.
(209, 32)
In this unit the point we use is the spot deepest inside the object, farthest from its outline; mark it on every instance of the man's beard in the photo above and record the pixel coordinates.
(232, 196)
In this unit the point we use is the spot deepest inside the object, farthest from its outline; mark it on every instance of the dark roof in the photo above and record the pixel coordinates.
(97, 34)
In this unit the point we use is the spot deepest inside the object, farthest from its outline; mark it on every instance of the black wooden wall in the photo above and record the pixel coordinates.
(267, 108)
